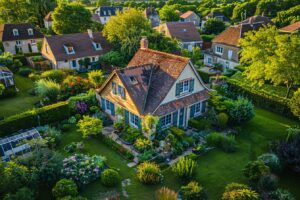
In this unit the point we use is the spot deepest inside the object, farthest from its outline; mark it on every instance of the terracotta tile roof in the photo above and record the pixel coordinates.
(48, 17)
(6, 32)
(167, 70)
(183, 31)
(180, 103)
(81, 42)
(291, 28)
(230, 36)
(186, 14)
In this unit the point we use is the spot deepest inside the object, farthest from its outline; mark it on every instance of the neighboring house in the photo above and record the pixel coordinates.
(225, 47)
(190, 16)
(156, 83)
(185, 32)
(48, 20)
(68, 51)
(20, 38)
(293, 28)
(96, 18)
(152, 15)
(6, 77)
(217, 15)
(105, 12)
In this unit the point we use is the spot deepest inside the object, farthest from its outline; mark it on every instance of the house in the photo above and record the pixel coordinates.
(48, 20)
(105, 12)
(69, 51)
(96, 18)
(217, 15)
(190, 16)
(225, 47)
(152, 15)
(20, 38)
(6, 77)
(293, 28)
(185, 32)
(156, 83)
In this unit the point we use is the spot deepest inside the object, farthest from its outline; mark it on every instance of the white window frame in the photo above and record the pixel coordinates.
(18, 43)
(198, 107)
(209, 60)
(230, 53)
(166, 120)
(15, 32)
(219, 50)
(107, 106)
(133, 120)
(30, 31)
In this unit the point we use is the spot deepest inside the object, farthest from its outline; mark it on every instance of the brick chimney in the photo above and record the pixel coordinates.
(144, 43)
(90, 33)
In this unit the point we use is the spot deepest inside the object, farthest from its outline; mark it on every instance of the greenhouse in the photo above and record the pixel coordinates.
(6, 77)
(17, 144)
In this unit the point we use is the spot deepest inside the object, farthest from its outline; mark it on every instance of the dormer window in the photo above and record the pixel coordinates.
(132, 79)
(104, 12)
(30, 31)
(97, 46)
(69, 49)
(109, 13)
(16, 32)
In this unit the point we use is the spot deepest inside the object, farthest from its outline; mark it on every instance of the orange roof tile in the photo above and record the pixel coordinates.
(186, 14)
(230, 36)
(291, 28)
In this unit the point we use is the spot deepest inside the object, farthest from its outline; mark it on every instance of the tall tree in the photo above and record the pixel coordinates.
(71, 18)
(214, 26)
(168, 13)
(272, 57)
(244, 10)
(125, 30)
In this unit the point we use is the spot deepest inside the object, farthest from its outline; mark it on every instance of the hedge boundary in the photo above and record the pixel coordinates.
(35, 117)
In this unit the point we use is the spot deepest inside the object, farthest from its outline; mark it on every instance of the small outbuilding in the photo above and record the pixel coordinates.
(6, 77)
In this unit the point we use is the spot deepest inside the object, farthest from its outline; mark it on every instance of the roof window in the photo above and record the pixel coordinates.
(132, 79)
(69, 49)
(16, 32)
(30, 31)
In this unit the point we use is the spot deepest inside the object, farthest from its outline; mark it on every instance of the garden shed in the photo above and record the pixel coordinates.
(6, 77)
(17, 144)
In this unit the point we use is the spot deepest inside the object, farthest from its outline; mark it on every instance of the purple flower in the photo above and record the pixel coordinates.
(81, 107)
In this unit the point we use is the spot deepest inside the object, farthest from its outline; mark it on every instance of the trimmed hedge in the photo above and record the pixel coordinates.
(36, 117)
(205, 76)
(271, 102)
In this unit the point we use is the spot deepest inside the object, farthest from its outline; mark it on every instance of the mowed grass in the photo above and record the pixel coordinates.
(214, 170)
(22, 101)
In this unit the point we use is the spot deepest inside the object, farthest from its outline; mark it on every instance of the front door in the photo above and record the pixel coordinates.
(181, 117)
(74, 63)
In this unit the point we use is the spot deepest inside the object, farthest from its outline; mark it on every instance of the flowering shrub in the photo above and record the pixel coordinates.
(74, 85)
(184, 168)
(149, 173)
(81, 107)
(83, 169)
(142, 144)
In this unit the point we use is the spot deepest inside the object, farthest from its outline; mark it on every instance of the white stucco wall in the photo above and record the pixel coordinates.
(67, 63)
(10, 46)
(188, 72)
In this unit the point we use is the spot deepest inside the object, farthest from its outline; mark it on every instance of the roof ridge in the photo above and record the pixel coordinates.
(181, 58)
(149, 83)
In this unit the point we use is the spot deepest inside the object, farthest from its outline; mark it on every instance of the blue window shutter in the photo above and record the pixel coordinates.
(175, 118)
(113, 87)
(191, 89)
(139, 123)
(112, 106)
(177, 89)
(126, 116)
(203, 108)
(192, 112)
(102, 103)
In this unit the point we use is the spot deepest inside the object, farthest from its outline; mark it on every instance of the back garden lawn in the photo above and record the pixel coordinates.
(215, 169)
(22, 101)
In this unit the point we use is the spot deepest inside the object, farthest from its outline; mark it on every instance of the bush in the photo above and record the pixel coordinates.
(271, 160)
(193, 191)
(165, 193)
(36, 117)
(199, 123)
(184, 168)
(131, 134)
(119, 126)
(205, 76)
(146, 155)
(66, 127)
(149, 173)
(236, 191)
(52, 136)
(177, 132)
(89, 126)
(73, 85)
(25, 71)
(89, 98)
(9, 92)
(110, 177)
(268, 183)
(70, 148)
(56, 75)
(47, 89)
(281, 194)
(21, 194)
(142, 144)
(255, 169)
(222, 120)
(240, 110)
(64, 188)
(226, 143)
(295, 103)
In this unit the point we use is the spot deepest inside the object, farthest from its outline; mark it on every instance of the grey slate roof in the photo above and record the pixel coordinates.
(109, 10)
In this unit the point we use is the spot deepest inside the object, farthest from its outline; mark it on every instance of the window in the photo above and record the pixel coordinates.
(184, 86)
(15, 32)
(134, 120)
(109, 106)
(121, 91)
(209, 60)
(33, 42)
(197, 109)
(132, 79)
(30, 31)
(219, 50)
(166, 121)
(97, 46)
(104, 12)
(229, 54)
(114, 87)
(69, 49)
(18, 43)
(93, 59)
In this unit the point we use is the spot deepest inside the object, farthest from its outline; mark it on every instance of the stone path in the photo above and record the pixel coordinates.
(125, 183)
(187, 152)
(109, 131)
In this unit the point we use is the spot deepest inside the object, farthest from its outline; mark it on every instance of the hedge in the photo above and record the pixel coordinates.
(205, 76)
(21, 58)
(260, 98)
(36, 117)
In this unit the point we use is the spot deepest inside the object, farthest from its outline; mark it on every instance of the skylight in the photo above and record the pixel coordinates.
(132, 79)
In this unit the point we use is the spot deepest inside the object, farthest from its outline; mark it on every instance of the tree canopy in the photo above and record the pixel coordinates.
(71, 18)
(271, 57)
(168, 13)
(213, 26)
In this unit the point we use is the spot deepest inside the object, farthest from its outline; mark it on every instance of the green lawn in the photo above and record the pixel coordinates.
(22, 101)
(215, 169)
